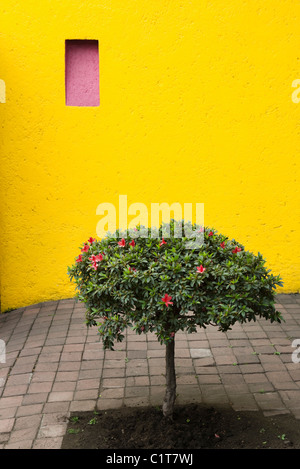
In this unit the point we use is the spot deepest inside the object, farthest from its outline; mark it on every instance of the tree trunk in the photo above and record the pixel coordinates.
(170, 396)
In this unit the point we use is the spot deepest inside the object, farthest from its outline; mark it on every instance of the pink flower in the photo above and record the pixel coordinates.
(172, 334)
(122, 243)
(162, 242)
(95, 260)
(201, 269)
(91, 240)
(79, 258)
(132, 243)
(236, 250)
(166, 299)
(222, 245)
(85, 248)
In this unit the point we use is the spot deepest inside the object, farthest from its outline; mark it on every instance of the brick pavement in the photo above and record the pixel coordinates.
(55, 365)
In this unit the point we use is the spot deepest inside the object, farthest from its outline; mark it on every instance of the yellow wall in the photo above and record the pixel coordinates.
(196, 106)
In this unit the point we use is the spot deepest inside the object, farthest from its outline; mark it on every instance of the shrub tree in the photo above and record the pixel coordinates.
(157, 285)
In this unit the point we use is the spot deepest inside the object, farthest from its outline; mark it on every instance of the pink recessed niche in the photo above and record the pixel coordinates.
(82, 72)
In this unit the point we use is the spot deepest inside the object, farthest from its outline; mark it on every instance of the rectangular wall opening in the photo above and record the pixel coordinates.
(82, 72)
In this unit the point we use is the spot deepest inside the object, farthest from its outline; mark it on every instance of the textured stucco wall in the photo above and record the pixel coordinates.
(195, 107)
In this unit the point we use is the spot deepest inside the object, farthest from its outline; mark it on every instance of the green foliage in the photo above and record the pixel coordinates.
(123, 285)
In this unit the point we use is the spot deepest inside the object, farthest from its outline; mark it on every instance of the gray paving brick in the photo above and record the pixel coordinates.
(56, 366)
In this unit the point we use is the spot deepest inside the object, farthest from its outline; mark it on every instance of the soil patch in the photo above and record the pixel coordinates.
(194, 426)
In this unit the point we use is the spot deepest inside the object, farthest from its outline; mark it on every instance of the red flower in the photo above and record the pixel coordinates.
(91, 240)
(222, 245)
(172, 334)
(166, 299)
(79, 258)
(236, 250)
(201, 269)
(122, 243)
(162, 242)
(132, 243)
(210, 233)
(95, 260)
(85, 248)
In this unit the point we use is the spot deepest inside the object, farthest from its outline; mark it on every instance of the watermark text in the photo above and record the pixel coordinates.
(160, 213)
